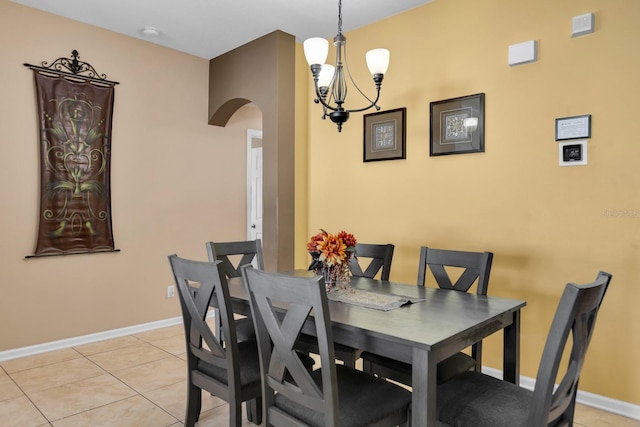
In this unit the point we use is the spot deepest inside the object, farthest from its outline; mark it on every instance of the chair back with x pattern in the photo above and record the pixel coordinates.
(280, 309)
(380, 258)
(476, 265)
(576, 315)
(213, 362)
(248, 250)
(232, 256)
(476, 268)
(474, 398)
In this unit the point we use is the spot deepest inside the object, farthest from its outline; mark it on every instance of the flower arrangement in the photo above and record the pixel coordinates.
(330, 255)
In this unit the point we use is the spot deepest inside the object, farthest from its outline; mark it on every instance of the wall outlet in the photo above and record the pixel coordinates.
(171, 291)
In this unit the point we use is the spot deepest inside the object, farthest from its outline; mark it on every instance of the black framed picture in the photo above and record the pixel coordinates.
(384, 135)
(575, 127)
(457, 125)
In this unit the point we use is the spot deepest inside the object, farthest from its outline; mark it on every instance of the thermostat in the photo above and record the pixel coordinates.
(572, 153)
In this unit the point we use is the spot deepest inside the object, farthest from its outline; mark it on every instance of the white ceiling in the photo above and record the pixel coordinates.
(209, 28)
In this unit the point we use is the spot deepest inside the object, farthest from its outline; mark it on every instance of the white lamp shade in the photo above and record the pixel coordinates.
(378, 61)
(316, 50)
(326, 75)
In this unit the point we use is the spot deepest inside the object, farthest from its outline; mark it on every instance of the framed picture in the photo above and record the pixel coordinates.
(457, 125)
(577, 127)
(384, 135)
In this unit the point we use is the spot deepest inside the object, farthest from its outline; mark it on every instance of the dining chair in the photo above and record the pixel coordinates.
(379, 257)
(473, 268)
(233, 255)
(224, 367)
(334, 394)
(477, 399)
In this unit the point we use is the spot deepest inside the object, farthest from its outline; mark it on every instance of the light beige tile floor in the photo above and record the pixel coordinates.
(138, 380)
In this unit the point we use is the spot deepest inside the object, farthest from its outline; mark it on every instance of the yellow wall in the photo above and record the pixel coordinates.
(176, 182)
(546, 224)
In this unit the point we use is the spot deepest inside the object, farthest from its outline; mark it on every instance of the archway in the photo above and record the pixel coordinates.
(263, 72)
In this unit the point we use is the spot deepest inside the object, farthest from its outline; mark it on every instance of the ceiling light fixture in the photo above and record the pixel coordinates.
(150, 31)
(330, 82)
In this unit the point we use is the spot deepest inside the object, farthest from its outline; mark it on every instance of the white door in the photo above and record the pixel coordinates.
(254, 184)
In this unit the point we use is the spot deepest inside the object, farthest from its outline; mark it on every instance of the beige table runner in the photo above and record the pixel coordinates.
(384, 302)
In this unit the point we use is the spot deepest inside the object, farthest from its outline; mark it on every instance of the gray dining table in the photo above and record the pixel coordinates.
(422, 333)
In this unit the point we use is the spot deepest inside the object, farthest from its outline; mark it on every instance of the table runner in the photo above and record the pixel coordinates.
(384, 302)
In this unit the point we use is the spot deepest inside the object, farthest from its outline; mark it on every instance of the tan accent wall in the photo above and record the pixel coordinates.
(263, 71)
(547, 225)
(303, 103)
(176, 182)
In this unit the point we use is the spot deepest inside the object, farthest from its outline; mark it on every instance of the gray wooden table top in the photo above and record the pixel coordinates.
(443, 318)
(422, 333)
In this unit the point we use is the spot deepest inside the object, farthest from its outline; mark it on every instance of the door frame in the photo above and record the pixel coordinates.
(251, 133)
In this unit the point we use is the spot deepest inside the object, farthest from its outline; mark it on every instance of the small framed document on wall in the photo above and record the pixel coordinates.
(576, 127)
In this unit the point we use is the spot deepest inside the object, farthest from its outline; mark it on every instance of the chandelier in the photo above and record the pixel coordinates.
(330, 82)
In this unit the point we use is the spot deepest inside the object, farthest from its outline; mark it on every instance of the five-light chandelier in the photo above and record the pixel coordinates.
(330, 82)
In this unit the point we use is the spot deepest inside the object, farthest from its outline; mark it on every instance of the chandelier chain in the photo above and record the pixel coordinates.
(339, 16)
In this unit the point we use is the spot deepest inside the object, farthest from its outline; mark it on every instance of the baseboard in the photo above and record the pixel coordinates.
(86, 339)
(604, 403)
(597, 401)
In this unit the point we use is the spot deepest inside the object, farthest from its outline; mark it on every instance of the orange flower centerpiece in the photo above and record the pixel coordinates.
(330, 255)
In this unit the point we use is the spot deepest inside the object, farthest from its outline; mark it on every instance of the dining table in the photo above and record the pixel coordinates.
(437, 324)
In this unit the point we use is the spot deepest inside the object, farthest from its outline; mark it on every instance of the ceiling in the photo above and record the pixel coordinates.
(209, 28)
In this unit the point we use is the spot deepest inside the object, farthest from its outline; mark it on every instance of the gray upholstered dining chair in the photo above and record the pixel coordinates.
(233, 255)
(247, 251)
(222, 366)
(333, 395)
(474, 268)
(379, 257)
(473, 398)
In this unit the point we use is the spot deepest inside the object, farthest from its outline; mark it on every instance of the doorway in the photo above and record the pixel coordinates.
(254, 184)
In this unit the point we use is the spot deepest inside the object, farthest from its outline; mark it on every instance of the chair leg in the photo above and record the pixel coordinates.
(349, 360)
(235, 413)
(366, 366)
(476, 353)
(408, 423)
(254, 411)
(194, 405)
(569, 413)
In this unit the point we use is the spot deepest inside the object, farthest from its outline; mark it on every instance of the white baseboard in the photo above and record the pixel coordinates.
(604, 403)
(597, 401)
(86, 339)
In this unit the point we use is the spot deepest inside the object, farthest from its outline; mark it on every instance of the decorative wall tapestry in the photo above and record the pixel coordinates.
(75, 109)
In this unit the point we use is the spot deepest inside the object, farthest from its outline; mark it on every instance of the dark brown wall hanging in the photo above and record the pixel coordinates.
(75, 109)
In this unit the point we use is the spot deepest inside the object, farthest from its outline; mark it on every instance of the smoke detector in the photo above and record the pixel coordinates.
(150, 31)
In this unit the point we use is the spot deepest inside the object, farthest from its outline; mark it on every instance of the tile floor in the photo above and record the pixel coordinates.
(137, 380)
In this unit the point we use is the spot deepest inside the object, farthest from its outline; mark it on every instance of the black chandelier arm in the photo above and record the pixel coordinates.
(74, 68)
(320, 99)
(377, 79)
